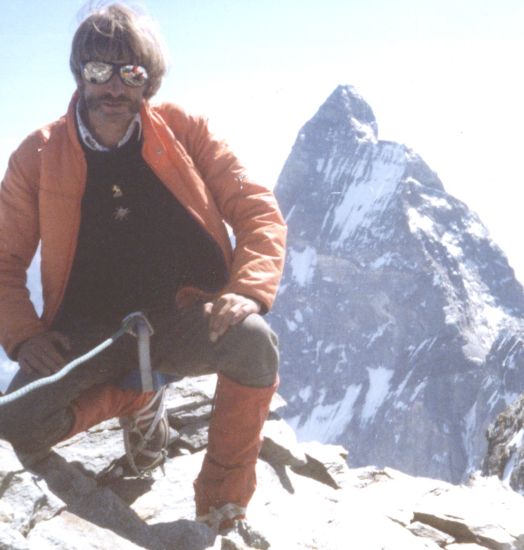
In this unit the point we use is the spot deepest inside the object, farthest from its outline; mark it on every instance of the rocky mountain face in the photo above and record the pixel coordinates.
(401, 322)
(505, 456)
(79, 497)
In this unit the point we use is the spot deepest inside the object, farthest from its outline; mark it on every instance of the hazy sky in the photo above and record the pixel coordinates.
(442, 76)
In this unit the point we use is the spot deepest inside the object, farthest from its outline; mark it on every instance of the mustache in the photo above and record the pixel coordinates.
(112, 99)
(94, 102)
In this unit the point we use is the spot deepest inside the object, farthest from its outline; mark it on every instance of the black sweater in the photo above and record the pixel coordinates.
(137, 244)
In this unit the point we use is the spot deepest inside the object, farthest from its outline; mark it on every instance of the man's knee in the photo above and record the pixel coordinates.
(38, 419)
(250, 353)
(32, 433)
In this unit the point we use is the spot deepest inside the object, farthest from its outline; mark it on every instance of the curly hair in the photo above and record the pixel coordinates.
(117, 33)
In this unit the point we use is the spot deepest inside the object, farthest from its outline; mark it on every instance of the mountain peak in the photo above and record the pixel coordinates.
(393, 293)
(346, 106)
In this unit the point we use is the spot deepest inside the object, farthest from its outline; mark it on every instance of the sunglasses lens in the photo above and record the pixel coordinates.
(133, 75)
(97, 72)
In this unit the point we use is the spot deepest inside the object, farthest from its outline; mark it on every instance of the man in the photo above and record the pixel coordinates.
(129, 203)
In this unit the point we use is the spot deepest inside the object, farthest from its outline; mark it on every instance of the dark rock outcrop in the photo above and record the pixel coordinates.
(505, 455)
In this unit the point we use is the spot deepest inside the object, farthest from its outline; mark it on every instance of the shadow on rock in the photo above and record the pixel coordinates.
(98, 505)
(184, 533)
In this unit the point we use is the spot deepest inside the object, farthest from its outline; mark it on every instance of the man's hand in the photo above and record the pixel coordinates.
(43, 354)
(228, 309)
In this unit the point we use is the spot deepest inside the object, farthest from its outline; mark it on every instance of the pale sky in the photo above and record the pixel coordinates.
(443, 77)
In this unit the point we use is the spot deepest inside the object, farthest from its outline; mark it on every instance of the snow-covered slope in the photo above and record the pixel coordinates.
(396, 307)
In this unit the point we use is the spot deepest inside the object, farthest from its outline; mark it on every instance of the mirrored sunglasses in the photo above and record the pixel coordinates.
(99, 72)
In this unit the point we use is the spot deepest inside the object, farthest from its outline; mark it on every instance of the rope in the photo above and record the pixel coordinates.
(135, 324)
(152, 415)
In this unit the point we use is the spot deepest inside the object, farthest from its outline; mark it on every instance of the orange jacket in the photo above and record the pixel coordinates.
(40, 200)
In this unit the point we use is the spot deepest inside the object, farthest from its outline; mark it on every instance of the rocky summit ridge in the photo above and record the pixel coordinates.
(400, 320)
(308, 497)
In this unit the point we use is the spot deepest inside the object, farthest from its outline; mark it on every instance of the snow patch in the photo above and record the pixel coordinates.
(305, 393)
(510, 397)
(364, 132)
(398, 404)
(513, 446)
(326, 423)
(383, 261)
(468, 436)
(371, 187)
(379, 332)
(379, 385)
(418, 223)
(290, 213)
(481, 322)
(452, 245)
(494, 399)
(417, 390)
(436, 202)
(476, 229)
(303, 264)
(330, 347)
